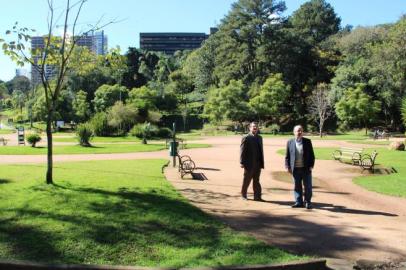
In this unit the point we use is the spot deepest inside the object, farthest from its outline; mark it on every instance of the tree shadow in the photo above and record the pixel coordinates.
(340, 209)
(4, 181)
(109, 220)
(300, 236)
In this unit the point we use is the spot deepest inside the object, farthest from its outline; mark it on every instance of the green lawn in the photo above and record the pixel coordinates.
(393, 184)
(96, 149)
(59, 138)
(116, 213)
(7, 131)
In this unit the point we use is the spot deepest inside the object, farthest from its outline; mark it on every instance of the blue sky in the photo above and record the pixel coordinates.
(137, 16)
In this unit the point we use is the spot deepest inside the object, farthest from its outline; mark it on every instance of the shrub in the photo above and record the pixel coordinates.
(99, 124)
(137, 131)
(144, 131)
(33, 138)
(164, 133)
(84, 134)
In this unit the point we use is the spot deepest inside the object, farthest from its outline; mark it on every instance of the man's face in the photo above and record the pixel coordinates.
(298, 132)
(254, 128)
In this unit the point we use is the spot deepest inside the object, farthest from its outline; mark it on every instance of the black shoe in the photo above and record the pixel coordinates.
(258, 200)
(297, 205)
(244, 197)
(309, 206)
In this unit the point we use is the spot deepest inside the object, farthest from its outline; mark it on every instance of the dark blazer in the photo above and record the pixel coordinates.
(308, 154)
(249, 150)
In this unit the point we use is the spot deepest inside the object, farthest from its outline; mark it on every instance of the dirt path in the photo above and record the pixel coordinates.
(347, 221)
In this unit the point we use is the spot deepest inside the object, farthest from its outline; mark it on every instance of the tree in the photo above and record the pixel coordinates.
(319, 105)
(182, 85)
(268, 104)
(18, 99)
(107, 95)
(403, 110)
(315, 20)
(240, 39)
(81, 106)
(56, 52)
(233, 103)
(3, 91)
(357, 108)
(121, 117)
(212, 106)
(22, 84)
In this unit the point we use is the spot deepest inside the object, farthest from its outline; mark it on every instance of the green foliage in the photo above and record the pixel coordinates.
(84, 134)
(356, 107)
(241, 39)
(272, 96)
(33, 139)
(107, 95)
(99, 123)
(315, 20)
(212, 107)
(81, 106)
(121, 117)
(144, 131)
(164, 133)
(403, 110)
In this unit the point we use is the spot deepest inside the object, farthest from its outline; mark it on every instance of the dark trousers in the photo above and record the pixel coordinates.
(252, 174)
(302, 176)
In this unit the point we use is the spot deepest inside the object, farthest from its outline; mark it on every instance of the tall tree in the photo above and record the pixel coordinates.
(241, 39)
(315, 20)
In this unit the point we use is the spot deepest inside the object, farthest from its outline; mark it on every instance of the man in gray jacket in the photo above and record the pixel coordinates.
(299, 161)
(252, 160)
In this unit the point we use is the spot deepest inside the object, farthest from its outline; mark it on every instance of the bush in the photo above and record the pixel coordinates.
(84, 134)
(144, 131)
(164, 133)
(272, 129)
(137, 131)
(99, 124)
(32, 139)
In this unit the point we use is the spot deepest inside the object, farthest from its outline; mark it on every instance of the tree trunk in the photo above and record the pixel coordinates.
(49, 178)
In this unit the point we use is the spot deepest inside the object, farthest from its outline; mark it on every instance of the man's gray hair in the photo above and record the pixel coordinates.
(297, 127)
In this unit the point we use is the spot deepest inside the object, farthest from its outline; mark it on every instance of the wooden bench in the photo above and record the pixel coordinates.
(186, 165)
(347, 153)
(368, 161)
(3, 141)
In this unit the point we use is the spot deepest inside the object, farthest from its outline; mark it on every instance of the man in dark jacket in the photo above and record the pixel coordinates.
(252, 160)
(299, 161)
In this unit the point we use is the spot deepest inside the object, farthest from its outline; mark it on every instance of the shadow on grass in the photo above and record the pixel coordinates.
(4, 181)
(108, 225)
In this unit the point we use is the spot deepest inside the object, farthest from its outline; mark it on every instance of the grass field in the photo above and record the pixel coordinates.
(95, 149)
(7, 131)
(116, 213)
(393, 184)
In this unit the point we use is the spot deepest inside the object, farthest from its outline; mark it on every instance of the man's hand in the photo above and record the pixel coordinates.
(289, 171)
(241, 165)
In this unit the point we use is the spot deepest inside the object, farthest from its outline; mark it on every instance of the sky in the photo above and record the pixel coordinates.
(135, 16)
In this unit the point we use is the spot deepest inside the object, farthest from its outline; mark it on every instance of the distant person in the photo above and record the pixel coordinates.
(252, 160)
(299, 161)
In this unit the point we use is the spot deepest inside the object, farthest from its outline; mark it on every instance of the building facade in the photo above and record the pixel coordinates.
(95, 41)
(169, 43)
